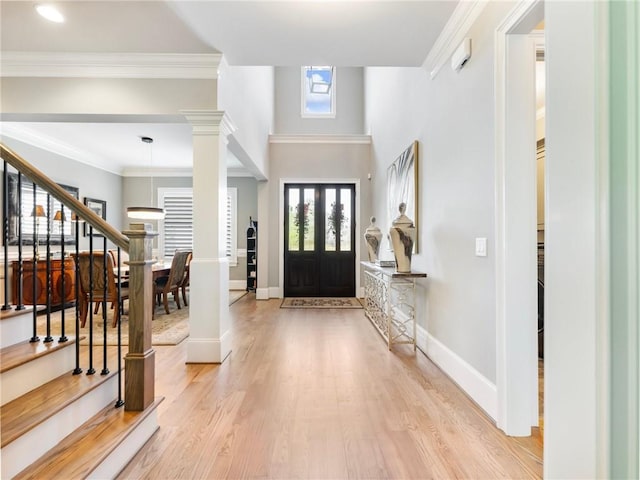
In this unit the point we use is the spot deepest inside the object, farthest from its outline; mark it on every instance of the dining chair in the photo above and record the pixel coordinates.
(96, 286)
(185, 282)
(167, 284)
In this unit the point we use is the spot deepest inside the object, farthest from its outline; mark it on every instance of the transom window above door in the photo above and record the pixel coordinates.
(318, 88)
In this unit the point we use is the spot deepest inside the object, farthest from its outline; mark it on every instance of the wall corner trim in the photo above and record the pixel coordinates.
(452, 34)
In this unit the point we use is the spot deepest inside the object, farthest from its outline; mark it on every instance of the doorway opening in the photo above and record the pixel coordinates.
(319, 240)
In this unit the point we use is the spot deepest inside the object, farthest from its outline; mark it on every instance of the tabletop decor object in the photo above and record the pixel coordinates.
(403, 234)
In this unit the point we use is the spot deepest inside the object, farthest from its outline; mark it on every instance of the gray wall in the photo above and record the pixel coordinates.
(247, 207)
(91, 182)
(451, 116)
(313, 162)
(349, 117)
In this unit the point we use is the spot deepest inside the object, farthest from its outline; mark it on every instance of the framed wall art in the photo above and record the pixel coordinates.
(402, 186)
(99, 207)
(22, 207)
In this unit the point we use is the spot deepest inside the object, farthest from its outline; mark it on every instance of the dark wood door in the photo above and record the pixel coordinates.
(319, 246)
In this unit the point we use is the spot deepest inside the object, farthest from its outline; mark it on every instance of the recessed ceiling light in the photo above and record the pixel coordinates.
(50, 12)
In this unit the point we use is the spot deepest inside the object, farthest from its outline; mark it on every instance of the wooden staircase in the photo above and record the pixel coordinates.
(55, 424)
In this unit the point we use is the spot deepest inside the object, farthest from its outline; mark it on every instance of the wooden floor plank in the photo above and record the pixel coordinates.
(317, 394)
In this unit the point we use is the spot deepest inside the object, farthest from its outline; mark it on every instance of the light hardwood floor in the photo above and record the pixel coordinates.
(316, 394)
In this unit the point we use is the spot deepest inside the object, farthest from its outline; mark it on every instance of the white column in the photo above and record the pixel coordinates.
(209, 338)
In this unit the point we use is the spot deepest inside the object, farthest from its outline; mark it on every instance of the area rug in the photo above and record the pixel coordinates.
(320, 302)
(166, 329)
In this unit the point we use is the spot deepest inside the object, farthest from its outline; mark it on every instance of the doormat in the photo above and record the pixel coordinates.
(321, 302)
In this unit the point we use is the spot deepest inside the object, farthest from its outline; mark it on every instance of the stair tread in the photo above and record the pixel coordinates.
(82, 451)
(4, 314)
(20, 353)
(26, 412)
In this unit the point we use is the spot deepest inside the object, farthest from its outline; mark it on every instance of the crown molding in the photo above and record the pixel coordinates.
(343, 139)
(452, 34)
(157, 172)
(54, 146)
(111, 65)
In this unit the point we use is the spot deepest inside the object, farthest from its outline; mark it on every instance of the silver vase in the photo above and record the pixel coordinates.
(403, 235)
(373, 236)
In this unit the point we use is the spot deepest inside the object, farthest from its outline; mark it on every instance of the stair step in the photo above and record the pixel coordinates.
(6, 314)
(25, 365)
(21, 353)
(17, 325)
(31, 409)
(100, 448)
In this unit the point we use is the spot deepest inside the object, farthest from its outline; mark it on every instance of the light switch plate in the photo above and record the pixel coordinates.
(481, 247)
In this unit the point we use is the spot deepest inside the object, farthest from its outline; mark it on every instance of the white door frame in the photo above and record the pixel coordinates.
(515, 211)
(283, 181)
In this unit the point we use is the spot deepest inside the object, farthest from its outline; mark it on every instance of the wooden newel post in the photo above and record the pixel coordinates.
(139, 374)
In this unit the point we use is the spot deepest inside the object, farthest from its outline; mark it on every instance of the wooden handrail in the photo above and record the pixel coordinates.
(44, 182)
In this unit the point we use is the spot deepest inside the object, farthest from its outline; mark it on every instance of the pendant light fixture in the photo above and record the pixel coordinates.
(150, 212)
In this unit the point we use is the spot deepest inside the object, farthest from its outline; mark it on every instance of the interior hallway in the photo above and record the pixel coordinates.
(316, 394)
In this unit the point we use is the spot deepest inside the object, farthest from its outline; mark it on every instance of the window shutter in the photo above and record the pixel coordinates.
(178, 222)
(231, 232)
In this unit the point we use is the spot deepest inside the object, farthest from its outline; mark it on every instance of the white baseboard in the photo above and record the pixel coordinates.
(237, 284)
(262, 294)
(481, 390)
(209, 350)
(275, 292)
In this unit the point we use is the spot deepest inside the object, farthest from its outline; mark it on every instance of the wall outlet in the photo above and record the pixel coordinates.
(481, 247)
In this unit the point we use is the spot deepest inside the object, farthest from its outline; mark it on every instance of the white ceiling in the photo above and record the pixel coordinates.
(340, 33)
(300, 32)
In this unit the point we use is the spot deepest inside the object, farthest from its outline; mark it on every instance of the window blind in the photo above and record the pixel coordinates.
(176, 232)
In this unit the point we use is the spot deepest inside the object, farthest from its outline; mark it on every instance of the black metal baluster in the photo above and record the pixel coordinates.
(63, 292)
(91, 370)
(120, 401)
(49, 338)
(105, 290)
(5, 233)
(20, 305)
(76, 219)
(34, 271)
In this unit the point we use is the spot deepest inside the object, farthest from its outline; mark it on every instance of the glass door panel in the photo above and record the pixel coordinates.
(293, 222)
(309, 219)
(345, 220)
(330, 243)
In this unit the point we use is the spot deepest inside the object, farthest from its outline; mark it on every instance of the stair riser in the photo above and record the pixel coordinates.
(121, 456)
(23, 379)
(16, 329)
(25, 450)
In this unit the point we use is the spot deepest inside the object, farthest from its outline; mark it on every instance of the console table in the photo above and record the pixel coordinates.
(389, 303)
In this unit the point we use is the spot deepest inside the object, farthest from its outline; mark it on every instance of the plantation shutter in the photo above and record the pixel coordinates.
(178, 221)
(176, 231)
(231, 235)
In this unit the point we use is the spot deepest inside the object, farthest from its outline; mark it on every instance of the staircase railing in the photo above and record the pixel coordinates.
(139, 371)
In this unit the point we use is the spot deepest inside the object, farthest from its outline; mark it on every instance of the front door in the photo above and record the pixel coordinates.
(319, 245)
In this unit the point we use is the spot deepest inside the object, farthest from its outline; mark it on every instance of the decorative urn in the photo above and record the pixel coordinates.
(403, 234)
(373, 236)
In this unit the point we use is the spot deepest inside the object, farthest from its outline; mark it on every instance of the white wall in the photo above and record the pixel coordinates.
(246, 95)
(349, 104)
(105, 95)
(573, 329)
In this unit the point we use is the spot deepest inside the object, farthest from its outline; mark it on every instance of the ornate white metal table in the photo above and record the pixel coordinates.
(389, 302)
